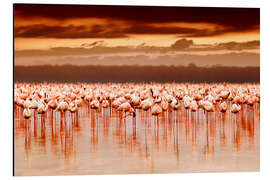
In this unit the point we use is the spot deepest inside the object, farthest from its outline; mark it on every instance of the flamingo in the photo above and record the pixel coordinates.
(124, 107)
(156, 110)
(224, 94)
(42, 108)
(34, 104)
(146, 104)
(235, 108)
(105, 103)
(72, 107)
(164, 105)
(223, 107)
(62, 106)
(94, 104)
(52, 104)
(175, 104)
(251, 100)
(63, 97)
(208, 106)
(27, 113)
(193, 105)
(27, 104)
(135, 100)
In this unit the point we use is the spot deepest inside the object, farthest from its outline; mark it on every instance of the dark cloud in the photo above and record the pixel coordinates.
(182, 44)
(147, 29)
(71, 31)
(38, 30)
(180, 31)
(242, 17)
(104, 31)
(94, 44)
(137, 18)
(112, 31)
(239, 46)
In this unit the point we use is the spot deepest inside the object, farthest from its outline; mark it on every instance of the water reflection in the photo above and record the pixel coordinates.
(106, 141)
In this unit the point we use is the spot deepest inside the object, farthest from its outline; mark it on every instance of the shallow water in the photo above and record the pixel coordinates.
(109, 142)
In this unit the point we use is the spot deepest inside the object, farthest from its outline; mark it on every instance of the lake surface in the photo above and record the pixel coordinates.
(109, 142)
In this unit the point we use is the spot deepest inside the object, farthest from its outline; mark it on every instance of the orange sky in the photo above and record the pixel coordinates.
(150, 40)
(47, 26)
(141, 35)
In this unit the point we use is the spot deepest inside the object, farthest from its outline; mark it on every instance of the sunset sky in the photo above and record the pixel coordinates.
(100, 34)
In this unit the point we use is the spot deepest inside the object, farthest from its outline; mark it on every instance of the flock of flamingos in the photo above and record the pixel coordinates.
(127, 97)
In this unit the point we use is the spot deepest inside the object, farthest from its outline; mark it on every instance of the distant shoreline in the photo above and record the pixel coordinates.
(104, 74)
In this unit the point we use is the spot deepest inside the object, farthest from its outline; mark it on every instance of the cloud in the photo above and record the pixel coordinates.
(224, 16)
(239, 46)
(182, 44)
(113, 31)
(38, 30)
(179, 31)
(147, 29)
(134, 19)
(71, 31)
(94, 44)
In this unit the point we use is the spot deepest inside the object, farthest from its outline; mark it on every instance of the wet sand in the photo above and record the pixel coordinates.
(109, 142)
